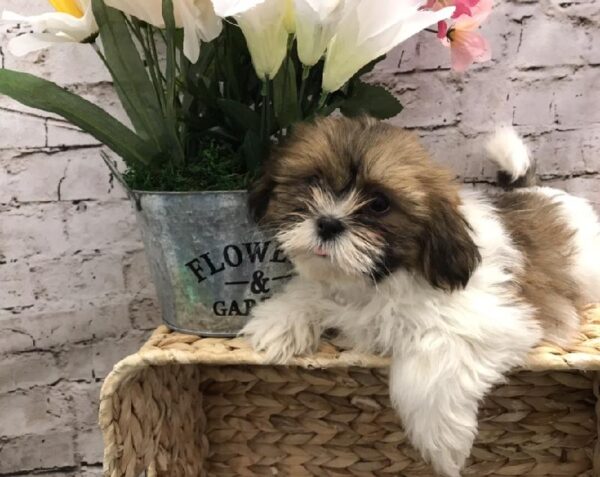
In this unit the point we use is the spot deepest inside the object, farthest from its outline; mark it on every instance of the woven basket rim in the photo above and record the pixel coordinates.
(166, 347)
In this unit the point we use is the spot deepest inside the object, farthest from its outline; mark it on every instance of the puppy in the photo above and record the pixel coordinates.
(389, 249)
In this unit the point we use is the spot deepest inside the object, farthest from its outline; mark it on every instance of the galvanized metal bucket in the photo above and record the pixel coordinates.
(209, 262)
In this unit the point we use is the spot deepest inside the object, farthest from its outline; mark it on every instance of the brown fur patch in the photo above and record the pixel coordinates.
(539, 231)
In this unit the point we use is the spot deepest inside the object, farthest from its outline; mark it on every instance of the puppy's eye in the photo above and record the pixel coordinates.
(379, 204)
(312, 180)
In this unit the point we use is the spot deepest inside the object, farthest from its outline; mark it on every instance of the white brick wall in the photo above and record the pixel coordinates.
(74, 289)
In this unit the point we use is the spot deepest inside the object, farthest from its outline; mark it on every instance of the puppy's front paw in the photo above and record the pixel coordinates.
(281, 333)
(447, 461)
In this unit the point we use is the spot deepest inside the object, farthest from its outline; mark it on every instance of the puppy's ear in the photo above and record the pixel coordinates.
(448, 255)
(259, 196)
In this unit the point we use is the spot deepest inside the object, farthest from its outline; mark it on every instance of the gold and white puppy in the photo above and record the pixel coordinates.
(456, 285)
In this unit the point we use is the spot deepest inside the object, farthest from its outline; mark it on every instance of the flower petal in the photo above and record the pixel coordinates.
(149, 11)
(315, 28)
(374, 21)
(289, 19)
(70, 7)
(265, 33)
(230, 8)
(461, 9)
(442, 30)
(479, 14)
(28, 43)
(482, 10)
(208, 24)
(55, 24)
(467, 48)
(324, 8)
(199, 24)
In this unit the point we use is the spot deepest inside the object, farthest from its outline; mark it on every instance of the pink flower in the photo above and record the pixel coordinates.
(462, 7)
(466, 44)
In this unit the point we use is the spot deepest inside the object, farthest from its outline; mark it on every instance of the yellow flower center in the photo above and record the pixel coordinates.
(70, 7)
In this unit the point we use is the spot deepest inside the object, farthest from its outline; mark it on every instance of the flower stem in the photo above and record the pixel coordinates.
(322, 100)
(305, 75)
(266, 111)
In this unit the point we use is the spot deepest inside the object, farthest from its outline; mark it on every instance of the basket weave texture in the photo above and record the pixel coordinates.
(186, 406)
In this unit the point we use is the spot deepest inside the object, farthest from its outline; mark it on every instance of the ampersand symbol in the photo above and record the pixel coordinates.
(259, 284)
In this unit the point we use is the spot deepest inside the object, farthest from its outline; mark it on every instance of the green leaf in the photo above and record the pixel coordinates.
(370, 99)
(285, 95)
(201, 67)
(171, 72)
(241, 116)
(253, 152)
(131, 79)
(330, 106)
(229, 67)
(47, 96)
(369, 66)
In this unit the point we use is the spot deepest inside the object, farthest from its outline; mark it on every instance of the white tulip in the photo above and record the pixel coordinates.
(289, 19)
(196, 17)
(316, 23)
(230, 8)
(149, 11)
(264, 28)
(199, 22)
(369, 29)
(73, 22)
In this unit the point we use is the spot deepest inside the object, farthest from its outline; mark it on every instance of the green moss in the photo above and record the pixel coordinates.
(217, 167)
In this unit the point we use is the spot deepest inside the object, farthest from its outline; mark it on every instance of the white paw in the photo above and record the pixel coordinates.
(447, 462)
(281, 333)
(443, 438)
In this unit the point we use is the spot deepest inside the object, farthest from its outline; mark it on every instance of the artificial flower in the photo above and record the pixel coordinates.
(316, 22)
(365, 33)
(230, 8)
(263, 27)
(72, 7)
(72, 22)
(196, 17)
(289, 19)
(462, 7)
(149, 11)
(466, 44)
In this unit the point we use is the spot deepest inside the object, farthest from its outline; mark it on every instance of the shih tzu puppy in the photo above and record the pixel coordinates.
(456, 285)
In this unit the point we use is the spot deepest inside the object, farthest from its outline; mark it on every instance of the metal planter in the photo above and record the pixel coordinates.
(209, 262)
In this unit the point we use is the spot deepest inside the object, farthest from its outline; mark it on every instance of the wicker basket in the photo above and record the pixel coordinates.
(186, 406)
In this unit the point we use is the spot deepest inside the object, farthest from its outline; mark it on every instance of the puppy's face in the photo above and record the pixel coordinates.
(356, 198)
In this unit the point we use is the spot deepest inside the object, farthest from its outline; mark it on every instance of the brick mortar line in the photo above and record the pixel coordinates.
(391, 73)
(55, 351)
(13, 205)
(541, 177)
(48, 150)
(54, 384)
(47, 470)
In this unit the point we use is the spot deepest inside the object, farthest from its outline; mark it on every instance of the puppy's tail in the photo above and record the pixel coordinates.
(509, 153)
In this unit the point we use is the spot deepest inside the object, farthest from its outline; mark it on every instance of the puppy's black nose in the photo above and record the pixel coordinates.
(329, 227)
